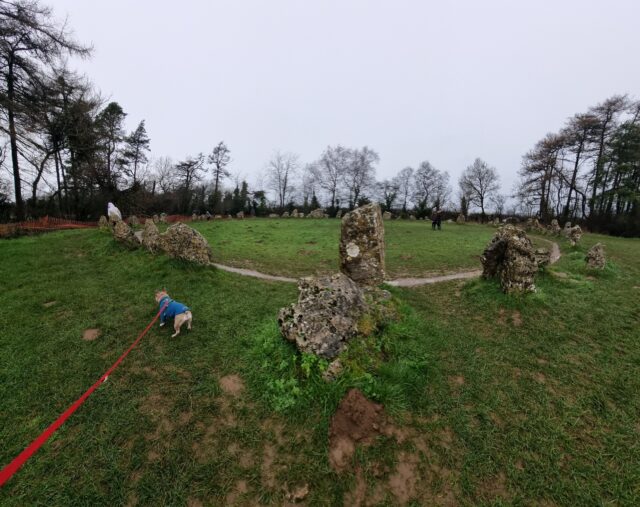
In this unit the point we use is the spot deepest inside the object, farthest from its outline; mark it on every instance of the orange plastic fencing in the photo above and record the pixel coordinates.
(43, 224)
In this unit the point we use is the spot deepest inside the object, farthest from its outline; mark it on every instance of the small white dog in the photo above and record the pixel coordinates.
(179, 312)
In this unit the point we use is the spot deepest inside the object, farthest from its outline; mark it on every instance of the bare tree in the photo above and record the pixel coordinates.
(330, 169)
(188, 172)
(219, 158)
(281, 170)
(479, 182)
(360, 174)
(31, 40)
(404, 182)
(388, 190)
(499, 201)
(164, 174)
(431, 186)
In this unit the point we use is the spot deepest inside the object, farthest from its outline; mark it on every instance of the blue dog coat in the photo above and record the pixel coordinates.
(173, 308)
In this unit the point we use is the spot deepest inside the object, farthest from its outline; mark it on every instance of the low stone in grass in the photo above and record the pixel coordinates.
(294, 213)
(326, 315)
(554, 228)
(543, 257)
(317, 213)
(596, 257)
(461, 219)
(182, 242)
(510, 257)
(90, 334)
(240, 215)
(274, 215)
(362, 245)
(285, 215)
(133, 220)
(103, 223)
(387, 215)
(339, 214)
(163, 218)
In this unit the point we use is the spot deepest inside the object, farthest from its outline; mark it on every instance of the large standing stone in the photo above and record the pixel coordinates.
(183, 242)
(326, 315)
(461, 219)
(317, 213)
(554, 228)
(103, 223)
(124, 234)
(595, 256)
(510, 257)
(362, 245)
(151, 236)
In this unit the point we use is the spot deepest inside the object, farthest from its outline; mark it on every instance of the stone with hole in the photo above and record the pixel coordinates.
(362, 245)
(122, 233)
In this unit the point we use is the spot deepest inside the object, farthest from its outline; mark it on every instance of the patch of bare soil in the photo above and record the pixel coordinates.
(516, 318)
(49, 304)
(239, 489)
(298, 494)
(90, 334)
(356, 421)
(232, 385)
(456, 380)
(403, 481)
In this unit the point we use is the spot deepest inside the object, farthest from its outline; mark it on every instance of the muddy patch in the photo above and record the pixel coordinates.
(356, 421)
(516, 318)
(91, 334)
(232, 385)
(403, 481)
(239, 489)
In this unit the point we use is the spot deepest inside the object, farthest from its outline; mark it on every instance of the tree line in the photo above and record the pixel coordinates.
(589, 171)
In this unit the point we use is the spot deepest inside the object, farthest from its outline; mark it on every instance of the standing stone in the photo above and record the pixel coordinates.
(326, 315)
(595, 257)
(510, 257)
(294, 213)
(273, 215)
(156, 219)
(301, 215)
(151, 236)
(317, 213)
(566, 229)
(163, 218)
(387, 215)
(460, 219)
(542, 256)
(554, 228)
(182, 242)
(412, 217)
(194, 217)
(574, 234)
(103, 223)
(124, 234)
(240, 215)
(339, 214)
(362, 245)
(133, 220)
(285, 214)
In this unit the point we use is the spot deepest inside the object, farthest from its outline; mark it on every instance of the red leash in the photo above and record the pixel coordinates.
(7, 472)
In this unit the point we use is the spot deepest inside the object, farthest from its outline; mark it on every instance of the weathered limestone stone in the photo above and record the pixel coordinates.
(124, 234)
(240, 214)
(301, 215)
(163, 218)
(386, 215)
(542, 256)
(133, 220)
(461, 219)
(294, 213)
(510, 257)
(362, 245)
(554, 228)
(333, 371)
(566, 229)
(194, 217)
(339, 214)
(151, 236)
(273, 215)
(103, 223)
(574, 234)
(496, 221)
(285, 214)
(317, 213)
(595, 257)
(156, 219)
(412, 217)
(326, 315)
(183, 242)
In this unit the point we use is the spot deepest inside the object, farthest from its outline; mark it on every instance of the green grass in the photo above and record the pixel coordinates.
(299, 247)
(500, 400)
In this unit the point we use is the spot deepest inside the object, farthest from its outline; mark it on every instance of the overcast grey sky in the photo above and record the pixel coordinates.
(414, 80)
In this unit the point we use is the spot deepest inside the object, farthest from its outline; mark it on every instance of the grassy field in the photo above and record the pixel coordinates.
(300, 247)
(495, 399)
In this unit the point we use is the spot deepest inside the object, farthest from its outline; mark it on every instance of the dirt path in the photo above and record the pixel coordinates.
(400, 282)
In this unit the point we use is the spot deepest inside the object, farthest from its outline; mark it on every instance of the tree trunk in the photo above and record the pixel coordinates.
(14, 142)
